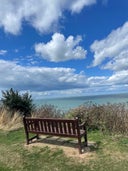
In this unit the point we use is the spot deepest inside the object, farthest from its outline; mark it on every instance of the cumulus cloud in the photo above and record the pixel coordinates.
(3, 52)
(61, 49)
(119, 62)
(119, 77)
(41, 14)
(47, 82)
(114, 48)
(39, 78)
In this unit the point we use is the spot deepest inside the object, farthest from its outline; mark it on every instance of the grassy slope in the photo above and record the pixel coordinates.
(111, 153)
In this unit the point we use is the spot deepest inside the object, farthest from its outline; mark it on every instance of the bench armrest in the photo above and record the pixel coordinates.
(82, 125)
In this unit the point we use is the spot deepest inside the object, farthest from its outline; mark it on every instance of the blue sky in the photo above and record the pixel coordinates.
(61, 48)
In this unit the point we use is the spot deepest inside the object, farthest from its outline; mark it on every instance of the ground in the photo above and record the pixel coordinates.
(69, 147)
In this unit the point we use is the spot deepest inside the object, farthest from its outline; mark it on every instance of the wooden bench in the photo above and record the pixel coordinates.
(55, 127)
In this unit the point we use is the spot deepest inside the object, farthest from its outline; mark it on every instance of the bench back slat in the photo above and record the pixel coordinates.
(64, 127)
(60, 127)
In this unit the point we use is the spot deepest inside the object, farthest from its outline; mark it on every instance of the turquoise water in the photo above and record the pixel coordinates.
(65, 104)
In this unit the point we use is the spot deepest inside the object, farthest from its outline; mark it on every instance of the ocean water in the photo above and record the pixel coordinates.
(65, 104)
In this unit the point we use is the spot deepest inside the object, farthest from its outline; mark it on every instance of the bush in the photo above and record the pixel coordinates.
(14, 102)
(112, 118)
(48, 111)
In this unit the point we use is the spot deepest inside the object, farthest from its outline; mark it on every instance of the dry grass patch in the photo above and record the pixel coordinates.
(69, 147)
(8, 122)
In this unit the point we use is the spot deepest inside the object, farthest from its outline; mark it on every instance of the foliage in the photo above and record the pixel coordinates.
(110, 117)
(13, 101)
(48, 111)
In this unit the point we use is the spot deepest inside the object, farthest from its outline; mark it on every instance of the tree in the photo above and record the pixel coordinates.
(13, 101)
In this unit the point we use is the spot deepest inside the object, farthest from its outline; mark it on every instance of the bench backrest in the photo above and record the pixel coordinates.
(52, 126)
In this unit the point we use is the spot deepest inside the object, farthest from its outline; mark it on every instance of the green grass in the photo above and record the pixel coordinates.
(110, 153)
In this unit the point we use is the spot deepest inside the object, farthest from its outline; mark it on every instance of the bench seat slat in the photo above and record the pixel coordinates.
(55, 134)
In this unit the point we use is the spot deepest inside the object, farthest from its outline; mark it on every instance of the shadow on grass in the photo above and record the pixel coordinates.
(94, 146)
(66, 142)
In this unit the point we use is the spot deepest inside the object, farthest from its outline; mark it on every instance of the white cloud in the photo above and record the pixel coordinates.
(41, 14)
(56, 93)
(112, 53)
(113, 47)
(53, 82)
(94, 81)
(39, 78)
(77, 6)
(3, 52)
(119, 77)
(61, 49)
(119, 62)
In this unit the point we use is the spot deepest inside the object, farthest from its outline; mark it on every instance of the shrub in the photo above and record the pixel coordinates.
(112, 118)
(48, 111)
(14, 102)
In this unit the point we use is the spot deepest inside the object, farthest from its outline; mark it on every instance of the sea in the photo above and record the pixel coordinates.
(67, 103)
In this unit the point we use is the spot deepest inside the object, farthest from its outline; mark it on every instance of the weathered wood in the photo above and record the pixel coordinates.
(55, 127)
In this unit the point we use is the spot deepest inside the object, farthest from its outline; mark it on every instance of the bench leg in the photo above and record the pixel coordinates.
(85, 140)
(79, 144)
(27, 138)
(38, 136)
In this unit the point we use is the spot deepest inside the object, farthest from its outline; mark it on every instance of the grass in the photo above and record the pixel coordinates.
(106, 151)
(7, 122)
(110, 153)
